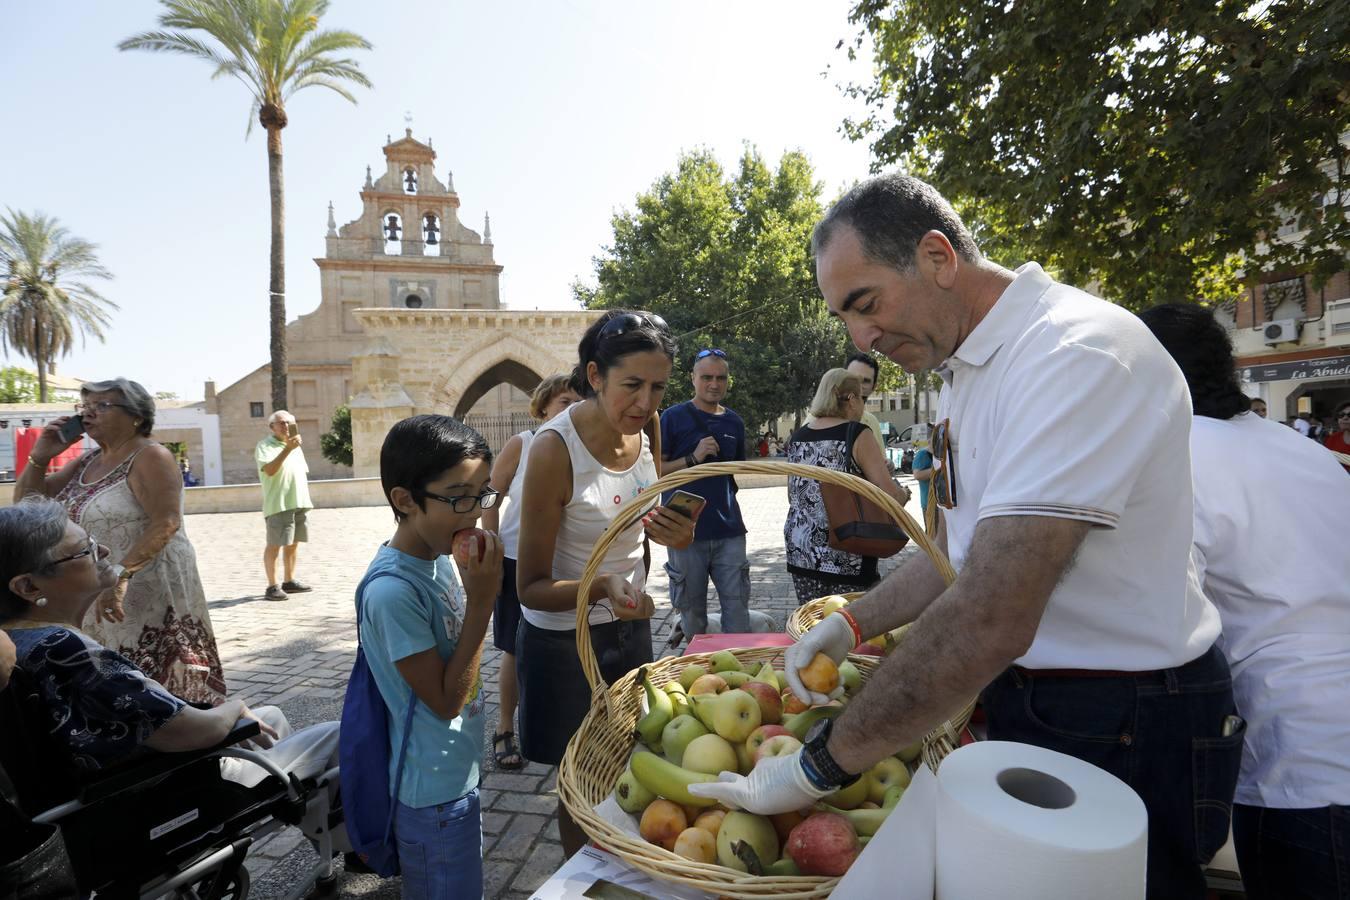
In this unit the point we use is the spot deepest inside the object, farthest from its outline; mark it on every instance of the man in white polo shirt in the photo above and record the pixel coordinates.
(1061, 458)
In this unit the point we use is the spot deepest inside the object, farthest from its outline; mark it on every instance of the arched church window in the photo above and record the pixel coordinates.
(393, 233)
(409, 181)
(431, 234)
(413, 301)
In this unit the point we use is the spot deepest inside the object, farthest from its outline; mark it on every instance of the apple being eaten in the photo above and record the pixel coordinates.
(468, 542)
(770, 701)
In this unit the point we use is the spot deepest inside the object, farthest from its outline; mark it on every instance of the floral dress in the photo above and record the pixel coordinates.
(167, 630)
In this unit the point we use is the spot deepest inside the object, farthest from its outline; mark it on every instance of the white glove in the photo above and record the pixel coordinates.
(832, 636)
(776, 785)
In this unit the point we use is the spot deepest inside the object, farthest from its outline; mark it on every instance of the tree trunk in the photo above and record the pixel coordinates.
(277, 282)
(40, 357)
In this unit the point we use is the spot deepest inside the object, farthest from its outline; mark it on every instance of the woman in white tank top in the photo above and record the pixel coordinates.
(583, 466)
(551, 396)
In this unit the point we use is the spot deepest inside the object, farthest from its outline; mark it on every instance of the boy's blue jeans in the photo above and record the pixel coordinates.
(1159, 732)
(440, 849)
(722, 559)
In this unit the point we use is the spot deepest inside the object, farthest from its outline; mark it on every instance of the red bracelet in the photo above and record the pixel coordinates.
(852, 623)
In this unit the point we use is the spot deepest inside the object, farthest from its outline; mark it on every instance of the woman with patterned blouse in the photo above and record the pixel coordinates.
(128, 493)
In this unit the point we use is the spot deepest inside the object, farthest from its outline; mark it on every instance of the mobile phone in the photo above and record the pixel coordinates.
(292, 429)
(71, 429)
(685, 503)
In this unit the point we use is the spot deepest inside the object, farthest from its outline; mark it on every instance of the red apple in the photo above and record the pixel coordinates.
(825, 844)
(770, 701)
(778, 745)
(464, 542)
(762, 734)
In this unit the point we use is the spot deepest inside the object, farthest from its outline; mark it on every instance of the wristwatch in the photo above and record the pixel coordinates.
(820, 768)
(690, 460)
(123, 573)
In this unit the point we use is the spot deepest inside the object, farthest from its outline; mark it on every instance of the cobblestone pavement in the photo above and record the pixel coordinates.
(298, 655)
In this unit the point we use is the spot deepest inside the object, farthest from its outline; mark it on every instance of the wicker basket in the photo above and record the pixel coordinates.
(598, 753)
(810, 613)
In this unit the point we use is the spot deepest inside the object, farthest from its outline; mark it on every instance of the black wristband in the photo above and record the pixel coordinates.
(690, 460)
(819, 766)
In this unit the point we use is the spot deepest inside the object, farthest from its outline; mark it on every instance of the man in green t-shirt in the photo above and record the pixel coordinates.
(285, 484)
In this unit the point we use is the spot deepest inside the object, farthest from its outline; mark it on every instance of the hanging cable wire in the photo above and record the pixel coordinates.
(764, 305)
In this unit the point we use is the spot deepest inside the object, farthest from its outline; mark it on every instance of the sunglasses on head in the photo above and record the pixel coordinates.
(630, 322)
(711, 351)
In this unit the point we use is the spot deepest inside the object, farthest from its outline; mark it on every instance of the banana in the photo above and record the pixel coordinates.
(660, 710)
(801, 722)
(665, 779)
(866, 822)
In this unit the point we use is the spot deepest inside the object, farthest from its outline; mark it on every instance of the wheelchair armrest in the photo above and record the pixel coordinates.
(147, 766)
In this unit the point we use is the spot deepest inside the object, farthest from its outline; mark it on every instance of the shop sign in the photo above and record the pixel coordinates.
(1299, 370)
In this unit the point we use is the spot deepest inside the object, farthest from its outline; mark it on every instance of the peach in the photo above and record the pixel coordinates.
(792, 706)
(783, 823)
(820, 675)
(662, 822)
(696, 844)
(710, 821)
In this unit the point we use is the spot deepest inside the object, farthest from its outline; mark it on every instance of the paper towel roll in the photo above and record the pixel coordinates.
(1019, 822)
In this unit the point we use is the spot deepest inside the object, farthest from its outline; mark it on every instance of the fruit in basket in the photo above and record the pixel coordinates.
(832, 604)
(696, 844)
(711, 822)
(801, 723)
(911, 753)
(678, 735)
(782, 867)
(850, 676)
(709, 754)
(820, 674)
(783, 823)
(851, 796)
(769, 700)
(757, 831)
(745, 759)
(735, 679)
(665, 779)
(766, 675)
(732, 715)
(762, 734)
(825, 844)
(708, 684)
(660, 710)
(691, 673)
(886, 774)
(893, 795)
(725, 661)
(662, 822)
(629, 793)
(778, 745)
(792, 706)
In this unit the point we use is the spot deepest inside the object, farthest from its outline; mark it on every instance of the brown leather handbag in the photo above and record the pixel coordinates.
(858, 525)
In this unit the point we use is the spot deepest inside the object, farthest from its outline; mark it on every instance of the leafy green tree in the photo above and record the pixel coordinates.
(17, 385)
(336, 443)
(47, 297)
(166, 395)
(724, 258)
(275, 48)
(1148, 147)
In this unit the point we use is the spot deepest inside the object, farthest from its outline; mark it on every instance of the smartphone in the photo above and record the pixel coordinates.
(292, 429)
(685, 503)
(71, 429)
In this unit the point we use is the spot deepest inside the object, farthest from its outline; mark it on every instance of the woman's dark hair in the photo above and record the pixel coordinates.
(29, 532)
(420, 449)
(1201, 347)
(616, 334)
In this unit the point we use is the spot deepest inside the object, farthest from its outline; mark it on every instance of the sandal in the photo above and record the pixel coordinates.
(510, 750)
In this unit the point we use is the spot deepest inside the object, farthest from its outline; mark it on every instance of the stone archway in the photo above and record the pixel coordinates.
(508, 371)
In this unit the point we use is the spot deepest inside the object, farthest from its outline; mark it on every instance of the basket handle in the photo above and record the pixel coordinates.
(634, 508)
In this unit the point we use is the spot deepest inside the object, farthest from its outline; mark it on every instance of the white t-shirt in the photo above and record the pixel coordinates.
(1064, 405)
(508, 524)
(597, 496)
(1270, 546)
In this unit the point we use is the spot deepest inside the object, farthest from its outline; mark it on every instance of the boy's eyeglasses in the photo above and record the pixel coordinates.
(91, 550)
(630, 322)
(467, 504)
(944, 466)
(711, 351)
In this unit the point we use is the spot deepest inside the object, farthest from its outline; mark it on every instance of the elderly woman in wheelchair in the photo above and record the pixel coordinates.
(153, 795)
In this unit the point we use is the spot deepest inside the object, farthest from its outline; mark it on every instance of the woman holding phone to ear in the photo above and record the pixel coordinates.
(128, 493)
(584, 464)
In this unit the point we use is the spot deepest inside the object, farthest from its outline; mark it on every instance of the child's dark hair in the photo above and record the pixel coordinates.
(420, 449)
(616, 334)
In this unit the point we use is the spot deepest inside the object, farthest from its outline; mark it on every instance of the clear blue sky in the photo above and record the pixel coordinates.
(550, 120)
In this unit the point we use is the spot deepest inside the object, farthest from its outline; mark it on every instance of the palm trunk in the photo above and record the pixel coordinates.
(40, 357)
(277, 283)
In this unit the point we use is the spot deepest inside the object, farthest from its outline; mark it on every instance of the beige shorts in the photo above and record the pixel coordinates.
(286, 528)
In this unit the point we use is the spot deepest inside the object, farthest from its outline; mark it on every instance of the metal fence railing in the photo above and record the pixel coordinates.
(497, 430)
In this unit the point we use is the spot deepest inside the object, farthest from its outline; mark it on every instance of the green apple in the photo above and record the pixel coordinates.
(733, 714)
(754, 830)
(851, 796)
(725, 661)
(679, 733)
(709, 754)
(630, 794)
(849, 677)
(911, 753)
(691, 673)
(886, 774)
(745, 758)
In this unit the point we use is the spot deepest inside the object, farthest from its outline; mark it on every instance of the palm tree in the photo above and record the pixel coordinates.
(275, 48)
(46, 299)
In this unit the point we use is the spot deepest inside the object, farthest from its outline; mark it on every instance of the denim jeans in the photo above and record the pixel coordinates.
(1159, 732)
(440, 849)
(1293, 854)
(722, 559)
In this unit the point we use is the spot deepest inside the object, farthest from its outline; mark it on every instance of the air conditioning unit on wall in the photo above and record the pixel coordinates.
(1281, 331)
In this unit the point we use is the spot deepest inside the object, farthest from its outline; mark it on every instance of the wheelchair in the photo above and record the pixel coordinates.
(164, 824)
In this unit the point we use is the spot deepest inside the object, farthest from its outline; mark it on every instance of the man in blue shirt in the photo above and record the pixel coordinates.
(698, 431)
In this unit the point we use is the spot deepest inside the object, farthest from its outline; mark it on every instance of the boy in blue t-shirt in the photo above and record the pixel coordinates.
(423, 634)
